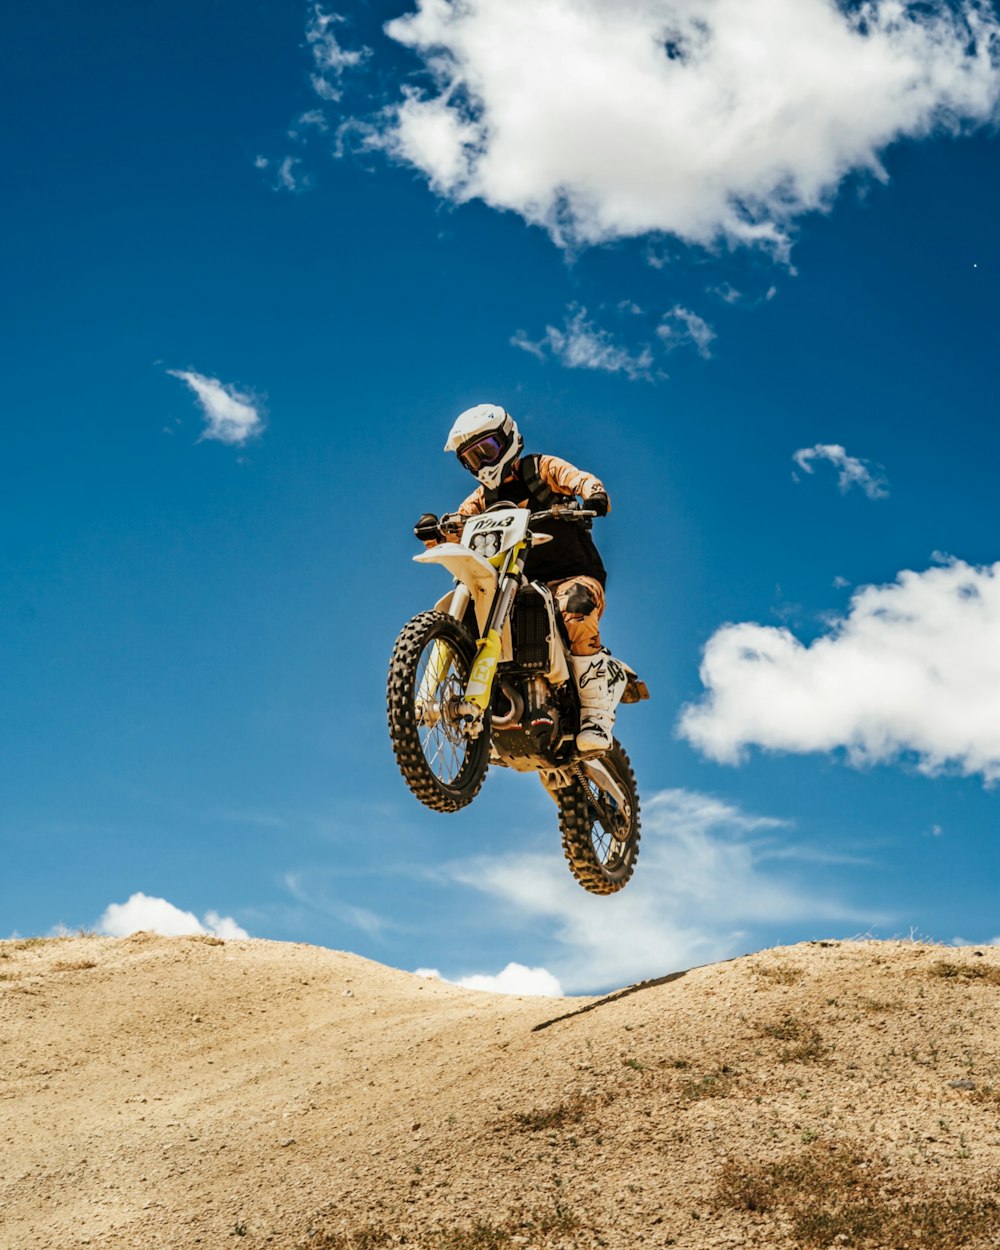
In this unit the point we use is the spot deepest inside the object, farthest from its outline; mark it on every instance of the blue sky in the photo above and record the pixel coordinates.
(721, 235)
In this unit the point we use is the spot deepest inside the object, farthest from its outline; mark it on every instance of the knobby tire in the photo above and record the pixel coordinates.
(601, 865)
(440, 794)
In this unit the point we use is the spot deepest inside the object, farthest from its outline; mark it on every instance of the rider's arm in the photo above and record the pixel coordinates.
(472, 505)
(566, 479)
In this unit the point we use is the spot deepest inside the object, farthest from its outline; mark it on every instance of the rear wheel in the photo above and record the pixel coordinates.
(601, 831)
(443, 767)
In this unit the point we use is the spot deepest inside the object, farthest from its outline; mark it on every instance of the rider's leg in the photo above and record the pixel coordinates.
(599, 678)
(580, 601)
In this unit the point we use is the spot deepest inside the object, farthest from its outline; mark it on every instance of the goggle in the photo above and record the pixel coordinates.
(484, 451)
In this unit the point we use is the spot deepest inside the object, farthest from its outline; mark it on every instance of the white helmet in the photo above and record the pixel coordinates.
(486, 441)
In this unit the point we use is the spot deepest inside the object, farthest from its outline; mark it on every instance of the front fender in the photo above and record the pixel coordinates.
(466, 566)
(475, 572)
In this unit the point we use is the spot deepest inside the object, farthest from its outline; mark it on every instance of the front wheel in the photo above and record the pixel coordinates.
(442, 765)
(601, 833)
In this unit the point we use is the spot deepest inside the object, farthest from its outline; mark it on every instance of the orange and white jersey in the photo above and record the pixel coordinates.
(557, 474)
(535, 482)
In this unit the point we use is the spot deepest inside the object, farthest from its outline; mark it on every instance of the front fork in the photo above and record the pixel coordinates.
(429, 707)
(479, 687)
(478, 691)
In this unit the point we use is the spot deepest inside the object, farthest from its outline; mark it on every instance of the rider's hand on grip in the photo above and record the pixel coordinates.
(598, 503)
(427, 529)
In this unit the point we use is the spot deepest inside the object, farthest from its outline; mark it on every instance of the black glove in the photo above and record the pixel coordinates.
(598, 503)
(426, 529)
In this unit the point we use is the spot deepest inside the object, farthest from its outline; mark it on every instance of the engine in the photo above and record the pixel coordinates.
(530, 718)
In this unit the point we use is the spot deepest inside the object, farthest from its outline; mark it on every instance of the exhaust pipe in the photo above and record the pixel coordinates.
(512, 720)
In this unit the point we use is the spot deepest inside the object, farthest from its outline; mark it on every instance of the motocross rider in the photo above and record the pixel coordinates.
(488, 444)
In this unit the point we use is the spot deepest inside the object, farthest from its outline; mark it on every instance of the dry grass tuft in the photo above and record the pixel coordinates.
(365, 1237)
(714, 1085)
(526, 1227)
(485, 1234)
(987, 1094)
(770, 1187)
(949, 971)
(807, 1041)
(878, 1006)
(571, 1111)
(832, 1194)
(780, 973)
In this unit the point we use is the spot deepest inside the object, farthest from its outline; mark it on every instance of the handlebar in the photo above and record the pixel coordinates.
(452, 521)
(564, 512)
(570, 511)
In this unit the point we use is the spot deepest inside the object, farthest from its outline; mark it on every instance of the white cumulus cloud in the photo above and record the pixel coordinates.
(706, 871)
(912, 670)
(514, 979)
(705, 119)
(851, 470)
(155, 915)
(230, 416)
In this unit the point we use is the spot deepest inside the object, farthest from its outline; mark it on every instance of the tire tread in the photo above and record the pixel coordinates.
(575, 825)
(403, 728)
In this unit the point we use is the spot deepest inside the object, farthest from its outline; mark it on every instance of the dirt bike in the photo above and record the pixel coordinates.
(483, 678)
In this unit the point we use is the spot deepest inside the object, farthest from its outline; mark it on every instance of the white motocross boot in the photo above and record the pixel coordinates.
(601, 681)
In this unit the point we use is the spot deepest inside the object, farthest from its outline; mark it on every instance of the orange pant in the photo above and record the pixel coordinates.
(580, 601)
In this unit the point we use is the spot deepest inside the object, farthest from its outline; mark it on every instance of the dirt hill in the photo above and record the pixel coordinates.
(166, 1094)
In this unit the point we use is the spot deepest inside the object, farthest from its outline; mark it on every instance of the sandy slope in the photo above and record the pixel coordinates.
(184, 1092)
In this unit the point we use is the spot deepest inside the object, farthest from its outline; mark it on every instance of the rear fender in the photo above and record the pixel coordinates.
(605, 780)
(556, 779)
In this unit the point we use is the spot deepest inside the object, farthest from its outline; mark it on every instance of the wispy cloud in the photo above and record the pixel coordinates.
(580, 343)
(330, 61)
(703, 121)
(682, 328)
(289, 173)
(145, 913)
(731, 295)
(312, 120)
(851, 470)
(913, 670)
(230, 416)
(705, 877)
(330, 58)
(311, 893)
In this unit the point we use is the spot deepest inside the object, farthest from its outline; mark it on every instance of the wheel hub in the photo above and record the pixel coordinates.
(459, 718)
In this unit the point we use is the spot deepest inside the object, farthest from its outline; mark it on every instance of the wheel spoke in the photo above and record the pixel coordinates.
(443, 767)
(439, 680)
(608, 821)
(601, 830)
